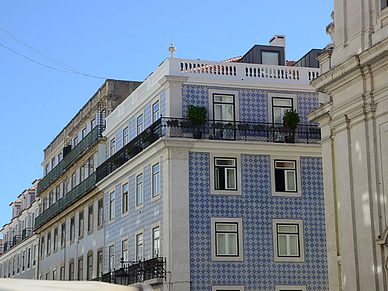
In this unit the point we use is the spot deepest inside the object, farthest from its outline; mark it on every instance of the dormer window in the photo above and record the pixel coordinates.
(270, 58)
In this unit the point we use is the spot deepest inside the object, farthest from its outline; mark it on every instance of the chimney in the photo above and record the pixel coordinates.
(278, 40)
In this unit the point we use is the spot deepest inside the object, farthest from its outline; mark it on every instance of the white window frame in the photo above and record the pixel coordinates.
(109, 257)
(290, 288)
(137, 234)
(155, 184)
(295, 159)
(213, 190)
(139, 125)
(112, 146)
(278, 258)
(157, 111)
(240, 242)
(228, 287)
(139, 200)
(153, 227)
(125, 135)
(112, 206)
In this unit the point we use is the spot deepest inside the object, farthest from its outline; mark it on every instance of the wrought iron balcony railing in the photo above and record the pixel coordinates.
(77, 192)
(134, 147)
(211, 130)
(136, 272)
(16, 239)
(67, 160)
(7, 246)
(26, 233)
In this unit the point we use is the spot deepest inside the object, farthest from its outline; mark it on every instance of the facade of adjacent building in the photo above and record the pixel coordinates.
(355, 144)
(20, 243)
(240, 208)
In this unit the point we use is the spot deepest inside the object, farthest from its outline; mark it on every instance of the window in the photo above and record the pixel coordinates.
(47, 276)
(140, 124)
(111, 257)
(93, 123)
(57, 194)
(99, 263)
(226, 235)
(53, 163)
(34, 256)
(223, 108)
(75, 141)
(225, 174)
(112, 206)
(54, 274)
(139, 190)
(72, 229)
(71, 271)
(73, 181)
(59, 157)
(112, 146)
(139, 247)
(82, 173)
(90, 267)
(29, 258)
(23, 260)
(124, 250)
(155, 180)
(125, 136)
(42, 247)
(288, 243)
(83, 133)
(279, 106)
(155, 111)
(46, 169)
(80, 269)
(55, 238)
(100, 212)
(285, 176)
(62, 273)
(124, 201)
(270, 58)
(384, 4)
(90, 218)
(156, 242)
(63, 234)
(81, 223)
(91, 165)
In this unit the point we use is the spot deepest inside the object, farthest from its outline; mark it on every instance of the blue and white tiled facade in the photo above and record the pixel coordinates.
(257, 207)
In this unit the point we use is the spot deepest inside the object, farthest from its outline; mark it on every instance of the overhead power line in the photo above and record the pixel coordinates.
(67, 68)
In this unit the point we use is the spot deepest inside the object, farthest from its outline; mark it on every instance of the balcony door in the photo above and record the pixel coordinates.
(224, 114)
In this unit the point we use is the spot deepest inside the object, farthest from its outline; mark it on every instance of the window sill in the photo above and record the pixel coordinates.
(288, 194)
(155, 198)
(140, 206)
(124, 214)
(226, 192)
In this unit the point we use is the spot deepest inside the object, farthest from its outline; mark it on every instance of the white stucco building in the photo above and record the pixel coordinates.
(355, 144)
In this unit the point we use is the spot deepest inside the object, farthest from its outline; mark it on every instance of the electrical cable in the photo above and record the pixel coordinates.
(69, 68)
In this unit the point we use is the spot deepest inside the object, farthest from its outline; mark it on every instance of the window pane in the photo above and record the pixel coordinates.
(225, 162)
(223, 98)
(290, 181)
(278, 115)
(293, 245)
(221, 244)
(288, 228)
(229, 114)
(285, 164)
(226, 227)
(231, 179)
(232, 244)
(270, 58)
(282, 245)
(282, 102)
(217, 112)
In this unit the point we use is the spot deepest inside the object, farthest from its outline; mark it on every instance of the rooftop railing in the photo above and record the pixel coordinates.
(67, 160)
(77, 192)
(210, 130)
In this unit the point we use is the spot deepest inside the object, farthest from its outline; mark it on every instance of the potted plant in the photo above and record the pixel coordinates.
(290, 120)
(197, 117)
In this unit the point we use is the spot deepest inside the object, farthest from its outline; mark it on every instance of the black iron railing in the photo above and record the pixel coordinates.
(16, 239)
(26, 233)
(73, 195)
(241, 131)
(7, 246)
(67, 160)
(127, 152)
(211, 130)
(136, 272)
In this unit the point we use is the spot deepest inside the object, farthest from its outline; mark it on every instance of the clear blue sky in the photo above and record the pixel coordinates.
(124, 40)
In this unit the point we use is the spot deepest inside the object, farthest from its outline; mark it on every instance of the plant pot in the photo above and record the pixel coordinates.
(197, 134)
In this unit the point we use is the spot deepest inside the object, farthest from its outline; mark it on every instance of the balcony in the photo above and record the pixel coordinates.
(137, 272)
(7, 246)
(26, 233)
(211, 130)
(76, 193)
(67, 160)
(15, 240)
